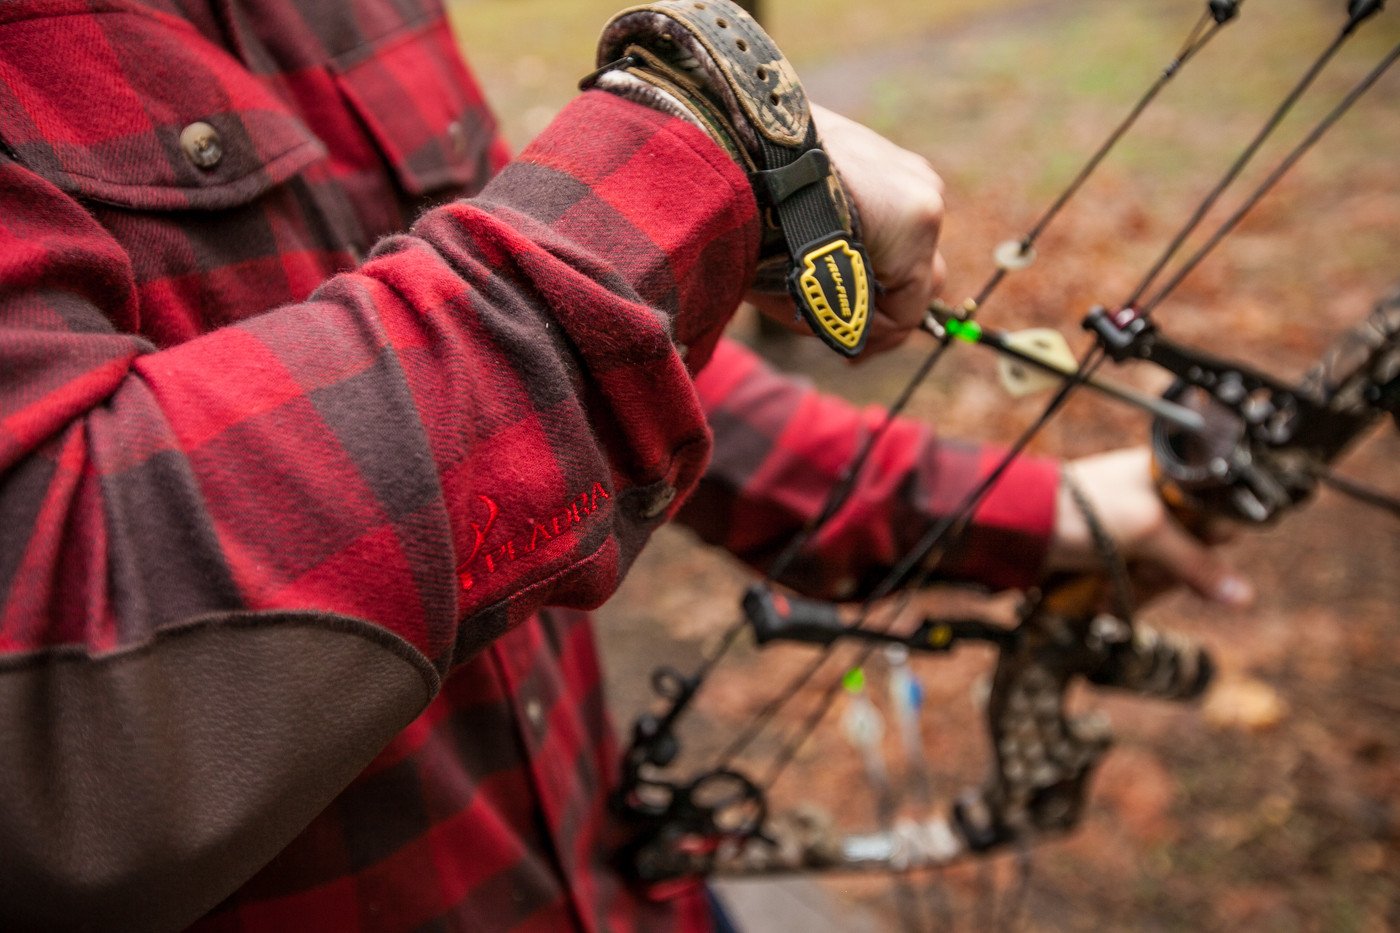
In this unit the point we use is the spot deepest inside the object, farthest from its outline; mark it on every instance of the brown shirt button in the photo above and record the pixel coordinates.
(202, 145)
(658, 502)
(457, 133)
(534, 712)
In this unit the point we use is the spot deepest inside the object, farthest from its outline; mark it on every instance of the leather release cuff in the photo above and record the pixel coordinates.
(710, 62)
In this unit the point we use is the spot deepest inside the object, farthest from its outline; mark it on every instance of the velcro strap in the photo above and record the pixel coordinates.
(830, 276)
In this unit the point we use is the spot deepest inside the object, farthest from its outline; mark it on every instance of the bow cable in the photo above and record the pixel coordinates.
(1279, 171)
(1357, 13)
(932, 545)
(1218, 14)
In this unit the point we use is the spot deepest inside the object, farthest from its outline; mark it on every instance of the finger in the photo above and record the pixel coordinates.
(912, 271)
(905, 302)
(940, 274)
(1190, 562)
(882, 337)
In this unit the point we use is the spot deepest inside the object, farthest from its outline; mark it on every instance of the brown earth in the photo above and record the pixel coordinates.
(1276, 804)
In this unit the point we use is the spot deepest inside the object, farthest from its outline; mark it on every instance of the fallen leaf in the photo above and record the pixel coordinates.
(1244, 703)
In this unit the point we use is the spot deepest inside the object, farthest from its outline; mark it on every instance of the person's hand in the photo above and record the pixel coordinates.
(1159, 552)
(900, 201)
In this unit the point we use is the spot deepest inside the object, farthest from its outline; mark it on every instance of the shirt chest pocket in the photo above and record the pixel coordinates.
(121, 105)
(422, 110)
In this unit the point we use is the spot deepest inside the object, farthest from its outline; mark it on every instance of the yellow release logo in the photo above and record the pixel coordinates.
(835, 291)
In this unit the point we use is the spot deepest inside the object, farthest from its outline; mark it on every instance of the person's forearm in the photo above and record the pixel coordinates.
(780, 447)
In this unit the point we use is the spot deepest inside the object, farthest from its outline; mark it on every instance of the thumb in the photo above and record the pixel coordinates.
(1187, 560)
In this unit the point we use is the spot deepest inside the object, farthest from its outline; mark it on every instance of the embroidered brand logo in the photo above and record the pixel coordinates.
(834, 271)
(486, 560)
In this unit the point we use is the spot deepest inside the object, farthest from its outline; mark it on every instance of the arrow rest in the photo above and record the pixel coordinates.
(1044, 343)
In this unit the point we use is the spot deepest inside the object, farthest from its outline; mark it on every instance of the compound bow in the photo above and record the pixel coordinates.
(1264, 446)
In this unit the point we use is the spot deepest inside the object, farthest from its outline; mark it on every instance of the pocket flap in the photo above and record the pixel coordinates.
(423, 109)
(95, 95)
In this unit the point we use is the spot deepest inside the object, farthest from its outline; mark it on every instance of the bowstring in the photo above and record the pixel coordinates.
(935, 541)
(1205, 28)
(1241, 161)
(932, 546)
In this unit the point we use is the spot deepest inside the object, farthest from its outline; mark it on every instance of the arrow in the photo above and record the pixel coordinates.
(1047, 352)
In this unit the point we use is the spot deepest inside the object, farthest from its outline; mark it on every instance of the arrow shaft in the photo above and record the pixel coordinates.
(1179, 415)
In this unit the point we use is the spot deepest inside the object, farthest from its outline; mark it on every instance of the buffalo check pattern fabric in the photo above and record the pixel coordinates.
(319, 437)
(780, 447)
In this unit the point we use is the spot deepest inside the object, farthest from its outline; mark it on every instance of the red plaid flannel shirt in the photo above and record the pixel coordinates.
(279, 525)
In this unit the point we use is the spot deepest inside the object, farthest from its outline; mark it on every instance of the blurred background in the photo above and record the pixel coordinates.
(1275, 803)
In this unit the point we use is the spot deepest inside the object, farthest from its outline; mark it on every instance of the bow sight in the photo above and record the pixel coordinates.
(1266, 443)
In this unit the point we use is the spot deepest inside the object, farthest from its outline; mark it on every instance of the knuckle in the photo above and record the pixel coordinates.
(936, 182)
(928, 176)
(927, 210)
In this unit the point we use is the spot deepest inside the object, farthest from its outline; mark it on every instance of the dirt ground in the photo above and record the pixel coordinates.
(1275, 804)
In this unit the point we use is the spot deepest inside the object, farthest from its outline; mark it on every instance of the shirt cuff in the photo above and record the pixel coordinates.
(1010, 533)
(662, 212)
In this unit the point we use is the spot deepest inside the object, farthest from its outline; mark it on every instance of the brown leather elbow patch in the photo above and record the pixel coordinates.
(137, 790)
